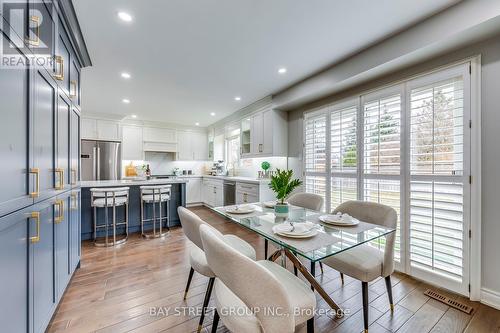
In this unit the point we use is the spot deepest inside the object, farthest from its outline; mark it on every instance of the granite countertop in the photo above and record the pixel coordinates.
(108, 183)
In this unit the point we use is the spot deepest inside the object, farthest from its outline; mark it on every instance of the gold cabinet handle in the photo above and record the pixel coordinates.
(36, 172)
(60, 217)
(35, 41)
(74, 177)
(74, 201)
(59, 68)
(36, 217)
(60, 182)
(72, 88)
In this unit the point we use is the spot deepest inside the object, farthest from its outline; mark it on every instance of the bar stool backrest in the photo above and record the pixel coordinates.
(109, 193)
(156, 189)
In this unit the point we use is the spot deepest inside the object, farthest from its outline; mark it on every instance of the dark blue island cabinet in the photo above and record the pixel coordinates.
(40, 214)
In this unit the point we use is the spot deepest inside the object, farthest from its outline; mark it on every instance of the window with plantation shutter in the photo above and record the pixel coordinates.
(382, 113)
(438, 183)
(343, 153)
(315, 153)
(406, 146)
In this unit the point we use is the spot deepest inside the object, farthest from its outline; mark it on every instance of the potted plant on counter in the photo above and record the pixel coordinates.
(282, 185)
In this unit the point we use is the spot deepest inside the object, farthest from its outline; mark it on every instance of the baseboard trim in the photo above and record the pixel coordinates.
(490, 298)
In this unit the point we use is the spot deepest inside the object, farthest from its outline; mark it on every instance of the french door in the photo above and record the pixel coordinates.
(406, 146)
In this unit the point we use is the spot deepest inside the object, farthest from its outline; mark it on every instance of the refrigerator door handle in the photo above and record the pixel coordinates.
(94, 160)
(98, 163)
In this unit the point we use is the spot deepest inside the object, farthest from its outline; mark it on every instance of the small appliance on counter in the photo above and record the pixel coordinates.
(218, 169)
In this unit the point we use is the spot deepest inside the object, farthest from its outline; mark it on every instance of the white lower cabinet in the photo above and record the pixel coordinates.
(213, 192)
(247, 193)
(193, 191)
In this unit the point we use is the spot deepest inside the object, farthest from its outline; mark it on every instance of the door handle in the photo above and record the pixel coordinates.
(74, 197)
(36, 172)
(60, 217)
(72, 88)
(59, 68)
(98, 165)
(260, 148)
(36, 217)
(60, 172)
(35, 41)
(73, 177)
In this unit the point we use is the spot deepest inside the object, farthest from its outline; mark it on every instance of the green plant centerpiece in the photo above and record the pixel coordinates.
(282, 185)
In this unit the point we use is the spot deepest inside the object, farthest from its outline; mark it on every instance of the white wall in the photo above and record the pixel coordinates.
(490, 109)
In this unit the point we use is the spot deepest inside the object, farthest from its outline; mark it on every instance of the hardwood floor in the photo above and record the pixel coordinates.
(119, 290)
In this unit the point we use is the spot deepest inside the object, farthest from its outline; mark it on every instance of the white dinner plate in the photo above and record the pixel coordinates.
(240, 209)
(334, 220)
(309, 234)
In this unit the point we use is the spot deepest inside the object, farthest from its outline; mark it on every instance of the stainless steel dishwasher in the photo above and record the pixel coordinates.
(229, 193)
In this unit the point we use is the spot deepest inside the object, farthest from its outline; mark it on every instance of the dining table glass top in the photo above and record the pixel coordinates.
(327, 241)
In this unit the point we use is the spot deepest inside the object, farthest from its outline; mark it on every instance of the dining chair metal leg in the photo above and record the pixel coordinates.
(295, 271)
(190, 277)
(310, 325)
(388, 285)
(205, 302)
(266, 243)
(215, 322)
(342, 277)
(321, 267)
(364, 287)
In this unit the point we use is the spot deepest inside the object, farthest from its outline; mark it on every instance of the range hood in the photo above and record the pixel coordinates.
(160, 147)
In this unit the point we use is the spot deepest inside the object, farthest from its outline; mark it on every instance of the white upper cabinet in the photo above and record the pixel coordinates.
(89, 128)
(132, 143)
(264, 134)
(96, 129)
(108, 130)
(192, 146)
(165, 135)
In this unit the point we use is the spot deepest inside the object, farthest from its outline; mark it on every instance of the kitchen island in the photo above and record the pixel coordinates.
(178, 198)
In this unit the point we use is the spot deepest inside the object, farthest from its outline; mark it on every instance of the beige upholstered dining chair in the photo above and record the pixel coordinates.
(365, 262)
(279, 300)
(306, 200)
(191, 226)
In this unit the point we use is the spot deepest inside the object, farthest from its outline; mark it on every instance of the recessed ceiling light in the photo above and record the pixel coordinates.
(237, 98)
(134, 116)
(125, 16)
(125, 75)
(212, 114)
(282, 70)
(126, 101)
(197, 124)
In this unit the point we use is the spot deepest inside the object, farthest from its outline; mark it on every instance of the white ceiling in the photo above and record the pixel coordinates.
(189, 58)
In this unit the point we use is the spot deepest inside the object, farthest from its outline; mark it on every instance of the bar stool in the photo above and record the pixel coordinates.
(110, 198)
(155, 195)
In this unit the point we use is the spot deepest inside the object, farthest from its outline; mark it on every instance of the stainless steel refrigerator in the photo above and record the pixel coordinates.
(101, 160)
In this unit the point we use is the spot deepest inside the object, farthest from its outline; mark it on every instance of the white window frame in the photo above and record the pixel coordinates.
(473, 290)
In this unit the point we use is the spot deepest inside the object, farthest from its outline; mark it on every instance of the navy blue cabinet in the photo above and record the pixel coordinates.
(62, 222)
(15, 136)
(42, 273)
(44, 134)
(14, 245)
(63, 161)
(75, 229)
(40, 211)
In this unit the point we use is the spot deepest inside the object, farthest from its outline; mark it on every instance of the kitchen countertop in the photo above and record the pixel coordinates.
(118, 183)
(232, 178)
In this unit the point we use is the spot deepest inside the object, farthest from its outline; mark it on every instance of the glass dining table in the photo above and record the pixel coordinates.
(329, 240)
